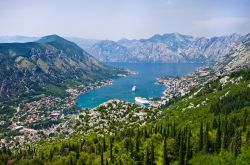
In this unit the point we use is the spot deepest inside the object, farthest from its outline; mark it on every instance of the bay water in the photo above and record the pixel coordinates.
(145, 82)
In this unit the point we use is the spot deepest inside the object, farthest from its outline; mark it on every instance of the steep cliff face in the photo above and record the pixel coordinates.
(110, 51)
(237, 58)
(167, 48)
(50, 60)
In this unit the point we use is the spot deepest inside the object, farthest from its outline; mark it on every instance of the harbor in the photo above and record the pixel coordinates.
(144, 84)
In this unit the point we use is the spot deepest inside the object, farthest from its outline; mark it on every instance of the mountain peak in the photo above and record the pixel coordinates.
(171, 36)
(51, 38)
(59, 41)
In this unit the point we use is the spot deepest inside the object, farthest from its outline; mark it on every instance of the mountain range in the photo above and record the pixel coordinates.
(166, 48)
(52, 60)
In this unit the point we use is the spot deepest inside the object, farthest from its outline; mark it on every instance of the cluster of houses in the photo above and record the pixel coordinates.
(45, 108)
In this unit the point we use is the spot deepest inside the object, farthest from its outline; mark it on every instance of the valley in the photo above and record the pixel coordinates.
(170, 131)
(124, 82)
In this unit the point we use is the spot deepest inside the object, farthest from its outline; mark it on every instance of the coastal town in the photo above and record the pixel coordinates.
(179, 86)
(51, 116)
(43, 113)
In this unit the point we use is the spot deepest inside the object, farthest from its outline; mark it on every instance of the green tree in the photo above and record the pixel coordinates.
(248, 137)
(137, 147)
(102, 160)
(147, 160)
(152, 161)
(237, 146)
(207, 140)
(218, 137)
(225, 141)
(111, 148)
(201, 137)
(104, 144)
(165, 154)
(188, 148)
(245, 121)
(182, 151)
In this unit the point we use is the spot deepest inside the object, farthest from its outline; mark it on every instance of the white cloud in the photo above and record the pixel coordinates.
(222, 26)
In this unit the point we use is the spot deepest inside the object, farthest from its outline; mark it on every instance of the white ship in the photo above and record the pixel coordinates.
(133, 88)
(141, 101)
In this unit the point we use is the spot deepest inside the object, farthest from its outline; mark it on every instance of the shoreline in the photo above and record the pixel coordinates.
(75, 93)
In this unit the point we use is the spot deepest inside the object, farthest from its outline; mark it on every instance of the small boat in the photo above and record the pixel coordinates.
(134, 88)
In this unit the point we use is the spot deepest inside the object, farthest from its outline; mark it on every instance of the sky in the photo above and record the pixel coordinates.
(116, 19)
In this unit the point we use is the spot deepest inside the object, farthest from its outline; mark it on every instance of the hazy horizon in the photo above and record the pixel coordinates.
(131, 19)
(76, 37)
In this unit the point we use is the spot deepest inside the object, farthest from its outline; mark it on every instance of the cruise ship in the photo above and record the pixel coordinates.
(141, 101)
(133, 88)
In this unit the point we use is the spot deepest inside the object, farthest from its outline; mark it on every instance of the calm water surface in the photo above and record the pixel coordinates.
(145, 82)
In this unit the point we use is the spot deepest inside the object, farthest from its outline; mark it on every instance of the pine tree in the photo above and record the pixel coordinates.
(137, 143)
(245, 121)
(152, 154)
(50, 155)
(42, 156)
(147, 160)
(188, 148)
(237, 143)
(137, 149)
(145, 133)
(218, 137)
(104, 144)
(156, 129)
(174, 131)
(102, 161)
(71, 161)
(165, 154)
(182, 151)
(248, 137)
(207, 142)
(177, 145)
(131, 146)
(161, 130)
(201, 137)
(168, 130)
(214, 123)
(110, 147)
(225, 141)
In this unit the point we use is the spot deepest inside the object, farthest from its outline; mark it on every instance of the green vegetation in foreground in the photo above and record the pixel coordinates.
(211, 126)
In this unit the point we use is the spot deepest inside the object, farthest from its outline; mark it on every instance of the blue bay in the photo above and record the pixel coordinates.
(145, 82)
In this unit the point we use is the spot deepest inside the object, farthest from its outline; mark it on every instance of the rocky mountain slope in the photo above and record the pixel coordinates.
(28, 67)
(167, 48)
(236, 59)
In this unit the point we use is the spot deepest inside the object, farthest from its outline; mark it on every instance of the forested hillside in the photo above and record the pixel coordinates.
(209, 126)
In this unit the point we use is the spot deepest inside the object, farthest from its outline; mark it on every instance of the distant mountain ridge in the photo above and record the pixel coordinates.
(20, 39)
(166, 48)
(52, 60)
